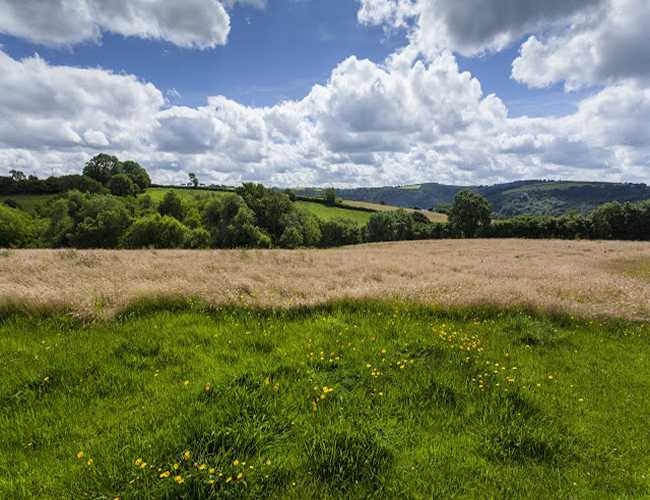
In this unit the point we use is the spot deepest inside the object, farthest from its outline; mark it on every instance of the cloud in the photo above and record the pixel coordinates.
(188, 23)
(406, 120)
(608, 46)
(471, 27)
(62, 107)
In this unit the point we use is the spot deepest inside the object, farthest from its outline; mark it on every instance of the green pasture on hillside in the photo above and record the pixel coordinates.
(350, 400)
(328, 213)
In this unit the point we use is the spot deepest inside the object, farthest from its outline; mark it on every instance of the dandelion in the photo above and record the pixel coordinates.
(175, 466)
(240, 475)
(187, 455)
(90, 461)
(137, 461)
(236, 463)
(179, 479)
(211, 470)
(80, 455)
(211, 482)
(143, 465)
(187, 382)
(202, 467)
(165, 475)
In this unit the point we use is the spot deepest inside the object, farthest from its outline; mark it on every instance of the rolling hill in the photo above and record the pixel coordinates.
(533, 197)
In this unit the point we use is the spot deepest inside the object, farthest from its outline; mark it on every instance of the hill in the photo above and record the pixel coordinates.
(532, 197)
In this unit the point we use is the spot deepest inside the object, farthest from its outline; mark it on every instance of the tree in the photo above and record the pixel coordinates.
(17, 228)
(330, 197)
(17, 176)
(136, 172)
(156, 231)
(194, 180)
(171, 205)
(232, 224)
(122, 185)
(469, 214)
(102, 167)
(340, 231)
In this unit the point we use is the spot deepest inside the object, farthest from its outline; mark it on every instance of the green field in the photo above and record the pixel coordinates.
(157, 194)
(328, 213)
(349, 400)
(28, 202)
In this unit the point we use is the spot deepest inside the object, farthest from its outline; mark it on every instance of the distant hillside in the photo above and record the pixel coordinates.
(515, 198)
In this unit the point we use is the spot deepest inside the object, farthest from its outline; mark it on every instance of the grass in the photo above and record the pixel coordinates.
(348, 400)
(638, 268)
(574, 276)
(157, 194)
(432, 216)
(328, 213)
(28, 202)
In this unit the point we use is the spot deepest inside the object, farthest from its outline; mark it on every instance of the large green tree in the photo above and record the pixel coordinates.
(469, 214)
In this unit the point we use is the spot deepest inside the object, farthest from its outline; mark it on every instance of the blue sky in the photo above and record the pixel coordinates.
(226, 89)
(279, 53)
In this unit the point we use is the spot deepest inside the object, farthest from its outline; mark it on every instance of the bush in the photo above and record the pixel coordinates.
(122, 185)
(156, 231)
(292, 238)
(199, 239)
(17, 228)
(171, 205)
(232, 224)
(339, 232)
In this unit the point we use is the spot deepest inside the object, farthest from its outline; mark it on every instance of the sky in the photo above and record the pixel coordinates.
(329, 92)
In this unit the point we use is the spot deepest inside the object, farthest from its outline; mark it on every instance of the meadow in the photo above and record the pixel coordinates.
(347, 400)
(461, 368)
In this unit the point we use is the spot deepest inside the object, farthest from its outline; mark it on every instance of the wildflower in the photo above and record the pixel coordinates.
(187, 382)
(236, 463)
(207, 387)
(240, 475)
(165, 475)
(327, 390)
(90, 461)
(179, 479)
(80, 455)
(137, 461)
(187, 455)
(211, 470)
(211, 482)
(143, 465)
(202, 467)
(175, 466)
(268, 461)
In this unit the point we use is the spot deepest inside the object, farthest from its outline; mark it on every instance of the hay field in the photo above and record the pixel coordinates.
(588, 278)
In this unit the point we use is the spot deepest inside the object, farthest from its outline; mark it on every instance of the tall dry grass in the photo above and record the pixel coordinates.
(575, 276)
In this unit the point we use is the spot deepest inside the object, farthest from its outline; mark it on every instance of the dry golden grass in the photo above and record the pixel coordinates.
(575, 276)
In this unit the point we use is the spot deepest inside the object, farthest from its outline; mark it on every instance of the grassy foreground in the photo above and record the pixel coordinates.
(344, 400)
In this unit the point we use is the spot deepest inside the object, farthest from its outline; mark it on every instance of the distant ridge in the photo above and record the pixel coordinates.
(527, 197)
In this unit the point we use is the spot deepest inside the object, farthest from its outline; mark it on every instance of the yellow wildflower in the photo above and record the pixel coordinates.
(165, 474)
(187, 455)
(236, 463)
(90, 461)
(240, 475)
(80, 455)
(137, 461)
(179, 479)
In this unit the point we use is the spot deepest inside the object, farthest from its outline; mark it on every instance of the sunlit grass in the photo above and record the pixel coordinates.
(347, 400)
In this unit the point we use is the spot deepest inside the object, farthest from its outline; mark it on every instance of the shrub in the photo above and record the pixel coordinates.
(232, 224)
(292, 237)
(122, 185)
(171, 205)
(340, 231)
(157, 231)
(17, 228)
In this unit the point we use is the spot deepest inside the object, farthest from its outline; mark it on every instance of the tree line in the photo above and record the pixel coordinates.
(108, 207)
